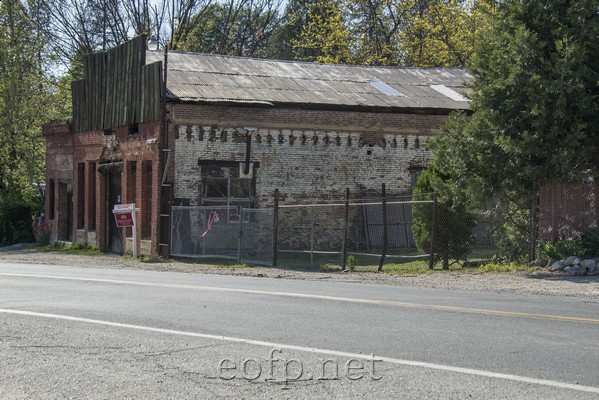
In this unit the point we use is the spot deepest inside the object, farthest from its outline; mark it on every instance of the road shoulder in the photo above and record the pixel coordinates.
(536, 283)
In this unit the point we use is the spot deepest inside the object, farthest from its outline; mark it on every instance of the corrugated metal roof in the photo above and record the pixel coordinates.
(198, 77)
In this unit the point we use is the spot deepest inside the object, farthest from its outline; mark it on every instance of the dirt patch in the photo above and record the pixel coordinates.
(533, 283)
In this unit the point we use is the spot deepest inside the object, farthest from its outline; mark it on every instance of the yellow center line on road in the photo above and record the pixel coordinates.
(400, 304)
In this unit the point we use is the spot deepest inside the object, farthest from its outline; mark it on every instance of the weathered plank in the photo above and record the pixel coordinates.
(117, 89)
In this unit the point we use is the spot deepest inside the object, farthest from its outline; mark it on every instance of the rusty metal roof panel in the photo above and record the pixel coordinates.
(201, 77)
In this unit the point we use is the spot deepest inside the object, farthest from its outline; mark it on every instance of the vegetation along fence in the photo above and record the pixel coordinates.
(347, 232)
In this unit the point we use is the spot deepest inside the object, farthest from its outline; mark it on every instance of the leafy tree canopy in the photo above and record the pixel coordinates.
(535, 107)
(238, 28)
(28, 98)
(324, 37)
(448, 226)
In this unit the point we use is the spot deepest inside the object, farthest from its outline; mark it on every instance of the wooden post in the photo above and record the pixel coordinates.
(345, 228)
(431, 259)
(275, 228)
(385, 233)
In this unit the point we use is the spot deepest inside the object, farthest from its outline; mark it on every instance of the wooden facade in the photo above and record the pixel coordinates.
(118, 89)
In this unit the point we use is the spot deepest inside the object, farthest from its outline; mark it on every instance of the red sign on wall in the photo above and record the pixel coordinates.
(123, 214)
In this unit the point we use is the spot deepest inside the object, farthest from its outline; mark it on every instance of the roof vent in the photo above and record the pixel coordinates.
(383, 87)
(452, 94)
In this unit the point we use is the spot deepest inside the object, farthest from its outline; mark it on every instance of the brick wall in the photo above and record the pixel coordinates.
(136, 151)
(307, 155)
(413, 124)
(72, 163)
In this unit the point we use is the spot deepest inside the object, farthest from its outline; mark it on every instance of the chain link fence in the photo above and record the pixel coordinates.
(232, 232)
(350, 232)
(320, 234)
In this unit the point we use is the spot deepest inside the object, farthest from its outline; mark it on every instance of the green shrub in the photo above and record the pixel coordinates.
(454, 225)
(590, 243)
(16, 221)
(561, 249)
(351, 262)
(511, 232)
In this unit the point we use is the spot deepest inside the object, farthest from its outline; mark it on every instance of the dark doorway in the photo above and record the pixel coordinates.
(115, 241)
(65, 210)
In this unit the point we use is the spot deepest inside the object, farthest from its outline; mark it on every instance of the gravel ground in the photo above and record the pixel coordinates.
(536, 283)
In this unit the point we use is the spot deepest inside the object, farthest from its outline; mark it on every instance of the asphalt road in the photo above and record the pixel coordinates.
(68, 332)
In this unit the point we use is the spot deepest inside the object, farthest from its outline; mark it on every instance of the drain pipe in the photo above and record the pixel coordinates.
(248, 147)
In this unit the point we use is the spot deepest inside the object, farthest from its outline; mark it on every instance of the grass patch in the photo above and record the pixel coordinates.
(501, 267)
(74, 248)
(421, 268)
(394, 265)
(146, 259)
(321, 262)
(152, 259)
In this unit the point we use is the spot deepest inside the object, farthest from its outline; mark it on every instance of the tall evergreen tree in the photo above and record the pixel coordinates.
(324, 37)
(441, 32)
(535, 106)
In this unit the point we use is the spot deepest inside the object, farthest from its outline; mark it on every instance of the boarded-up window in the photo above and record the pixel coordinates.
(222, 186)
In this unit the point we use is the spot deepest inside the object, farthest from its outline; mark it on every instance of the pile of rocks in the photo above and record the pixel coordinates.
(572, 265)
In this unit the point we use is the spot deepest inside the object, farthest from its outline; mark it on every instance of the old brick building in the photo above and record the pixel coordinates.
(231, 131)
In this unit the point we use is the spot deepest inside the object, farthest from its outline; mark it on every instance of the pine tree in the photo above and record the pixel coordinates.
(535, 109)
(324, 37)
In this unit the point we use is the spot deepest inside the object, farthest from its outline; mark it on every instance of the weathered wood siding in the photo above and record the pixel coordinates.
(118, 89)
(568, 210)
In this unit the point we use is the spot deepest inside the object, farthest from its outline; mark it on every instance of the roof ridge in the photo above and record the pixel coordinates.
(326, 65)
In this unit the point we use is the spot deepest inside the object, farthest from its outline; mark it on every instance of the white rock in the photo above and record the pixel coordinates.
(557, 266)
(572, 260)
(591, 266)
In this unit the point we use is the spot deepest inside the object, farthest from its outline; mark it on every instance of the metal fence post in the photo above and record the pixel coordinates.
(275, 228)
(431, 260)
(385, 233)
(345, 228)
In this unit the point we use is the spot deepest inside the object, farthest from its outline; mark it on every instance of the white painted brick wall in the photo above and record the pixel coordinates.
(302, 172)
